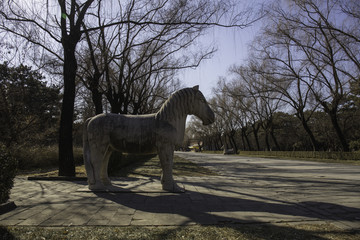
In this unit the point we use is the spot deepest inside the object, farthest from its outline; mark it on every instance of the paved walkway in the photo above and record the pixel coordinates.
(247, 190)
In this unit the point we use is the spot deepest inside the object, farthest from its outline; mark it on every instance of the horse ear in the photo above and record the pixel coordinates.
(196, 87)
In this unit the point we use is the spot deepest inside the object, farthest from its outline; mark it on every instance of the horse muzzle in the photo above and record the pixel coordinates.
(210, 118)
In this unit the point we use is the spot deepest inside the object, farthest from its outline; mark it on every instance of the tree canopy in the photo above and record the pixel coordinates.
(29, 109)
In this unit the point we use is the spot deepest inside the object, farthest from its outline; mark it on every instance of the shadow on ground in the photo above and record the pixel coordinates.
(211, 209)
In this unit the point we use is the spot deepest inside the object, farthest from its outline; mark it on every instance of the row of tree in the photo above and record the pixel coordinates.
(299, 89)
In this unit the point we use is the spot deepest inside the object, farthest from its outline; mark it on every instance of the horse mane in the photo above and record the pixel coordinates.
(177, 105)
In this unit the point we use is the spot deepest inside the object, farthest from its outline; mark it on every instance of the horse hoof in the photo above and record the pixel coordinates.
(179, 190)
(107, 183)
(174, 188)
(97, 187)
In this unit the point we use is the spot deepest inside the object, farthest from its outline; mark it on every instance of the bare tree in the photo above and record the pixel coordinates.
(139, 61)
(329, 62)
(55, 31)
(226, 110)
(59, 36)
(233, 107)
(256, 100)
(277, 60)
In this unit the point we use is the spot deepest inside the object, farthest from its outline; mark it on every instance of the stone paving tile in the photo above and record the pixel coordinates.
(8, 215)
(203, 218)
(38, 218)
(246, 191)
(124, 210)
(160, 219)
(104, 214)
(98, 222)
(10, 222)
(78, 220)
(255, 217)
(23, 214)
(121, 219)
(55, 223)
(348, 224)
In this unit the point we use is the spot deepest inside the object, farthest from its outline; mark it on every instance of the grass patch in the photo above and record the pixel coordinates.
(150, 167)
(198, 232)
(52, 172)
(39, 159)
(135, 166)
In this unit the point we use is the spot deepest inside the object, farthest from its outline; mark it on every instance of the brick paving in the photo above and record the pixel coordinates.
(246, 190)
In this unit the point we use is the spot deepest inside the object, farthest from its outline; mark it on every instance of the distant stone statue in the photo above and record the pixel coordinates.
(151, 133)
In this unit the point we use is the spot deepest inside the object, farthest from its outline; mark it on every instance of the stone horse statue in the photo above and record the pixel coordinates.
(151, 133)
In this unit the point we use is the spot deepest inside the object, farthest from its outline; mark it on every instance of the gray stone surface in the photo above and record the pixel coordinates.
(246, 190)
(150, 133)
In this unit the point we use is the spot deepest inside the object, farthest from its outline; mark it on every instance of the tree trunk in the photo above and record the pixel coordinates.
(66, 157)
(116, 108)
(232, 141)
(226, 143)
(339, 132)
(243, 140)
(274, 139)
(248, 142)
(97, 100)
(307, 129)
(96, 95)
(267, 141)
(255, 131)
(220, 141)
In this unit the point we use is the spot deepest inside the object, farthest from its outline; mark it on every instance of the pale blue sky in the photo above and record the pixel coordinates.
(232, 48)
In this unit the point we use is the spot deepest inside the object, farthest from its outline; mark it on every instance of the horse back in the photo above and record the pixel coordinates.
(130, 133)
(133, 134)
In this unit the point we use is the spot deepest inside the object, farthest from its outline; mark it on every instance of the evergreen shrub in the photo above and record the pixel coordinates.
(8, 167)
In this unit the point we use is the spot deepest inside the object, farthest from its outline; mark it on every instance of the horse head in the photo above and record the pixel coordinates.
(201, 108)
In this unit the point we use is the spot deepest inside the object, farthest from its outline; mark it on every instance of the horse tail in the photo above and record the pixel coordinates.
(87, 154)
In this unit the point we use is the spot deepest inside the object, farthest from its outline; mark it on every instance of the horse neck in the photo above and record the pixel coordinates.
(177, 121)
(175, 110)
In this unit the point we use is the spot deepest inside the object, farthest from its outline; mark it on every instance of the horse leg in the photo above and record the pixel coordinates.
(97, 157)
(104, 168)
(87, 146)
(87, 160)
(166, 155)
